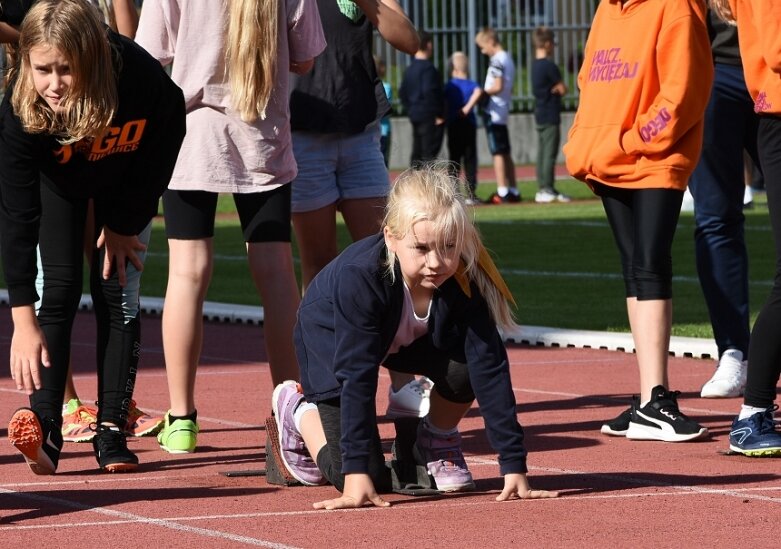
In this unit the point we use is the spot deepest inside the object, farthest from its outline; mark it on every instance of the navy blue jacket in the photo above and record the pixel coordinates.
(421, 91)
(346, 324)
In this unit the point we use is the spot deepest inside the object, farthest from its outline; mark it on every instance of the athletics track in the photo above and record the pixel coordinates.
(614, 492)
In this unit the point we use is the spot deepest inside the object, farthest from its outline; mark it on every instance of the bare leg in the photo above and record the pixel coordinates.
(444, 414)
(500, 171)
(504, 167)
(312, 432)
(651, 322)
(271, 265)
(189, 274)
(70, 388)
(316, 238)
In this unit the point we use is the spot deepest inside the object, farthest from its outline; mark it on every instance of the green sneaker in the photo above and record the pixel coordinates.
(179, 437)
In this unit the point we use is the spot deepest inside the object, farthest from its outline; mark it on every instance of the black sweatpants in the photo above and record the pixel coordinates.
(118, 339)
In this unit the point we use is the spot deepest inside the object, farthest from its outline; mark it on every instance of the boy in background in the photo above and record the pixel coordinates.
(498, 86)
(548, 89)
(421, 94)
(461, 95)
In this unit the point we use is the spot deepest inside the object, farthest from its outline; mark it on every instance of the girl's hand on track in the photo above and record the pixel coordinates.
(517, 485)
(358, 491)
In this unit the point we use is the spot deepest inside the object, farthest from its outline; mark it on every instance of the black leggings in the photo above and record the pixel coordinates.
(451, 381)
(643, 222)
(118, 340)
(764, 367)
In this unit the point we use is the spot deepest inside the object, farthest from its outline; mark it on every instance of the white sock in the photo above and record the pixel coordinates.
(299, 412)
(748, 411)
(502, 191)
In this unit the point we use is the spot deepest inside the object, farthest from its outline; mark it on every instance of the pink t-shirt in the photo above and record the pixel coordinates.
(221, 153)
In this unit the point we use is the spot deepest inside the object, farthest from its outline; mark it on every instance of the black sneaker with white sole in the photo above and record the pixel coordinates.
(111, 452)
(661, 419)
(618, 427)
(39, 440)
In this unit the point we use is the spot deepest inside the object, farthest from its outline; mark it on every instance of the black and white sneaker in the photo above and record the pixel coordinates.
(111, 452)
(39, 441)
(618, 427)
(661, 419)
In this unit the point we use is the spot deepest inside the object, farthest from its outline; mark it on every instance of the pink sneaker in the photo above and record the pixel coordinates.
(296, 458)
(444, 460)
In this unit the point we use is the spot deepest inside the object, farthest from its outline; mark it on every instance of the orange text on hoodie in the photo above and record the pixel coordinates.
(644, 85)
(759, 35)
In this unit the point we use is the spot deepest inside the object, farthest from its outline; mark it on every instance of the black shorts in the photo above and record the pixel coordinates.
(264, 216)
(498, 138)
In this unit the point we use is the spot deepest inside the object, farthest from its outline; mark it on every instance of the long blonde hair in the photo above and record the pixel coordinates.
(430, 193)
(251, 55)
(74, 28)
(723, 10)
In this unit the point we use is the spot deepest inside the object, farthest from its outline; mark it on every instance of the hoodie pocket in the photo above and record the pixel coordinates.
(597, 152)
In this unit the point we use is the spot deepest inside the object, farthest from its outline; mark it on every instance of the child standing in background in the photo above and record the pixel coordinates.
(499, 87)
(635, 141)
(548, 88)
(759, 36)
(235, 78)
(461, 96)
(422, 296)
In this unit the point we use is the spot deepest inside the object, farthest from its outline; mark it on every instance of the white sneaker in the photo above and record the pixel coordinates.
(411, 400)
(730, 377)
(688, 201)
(544, 197)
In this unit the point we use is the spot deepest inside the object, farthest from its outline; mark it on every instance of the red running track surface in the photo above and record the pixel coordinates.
(614, 492)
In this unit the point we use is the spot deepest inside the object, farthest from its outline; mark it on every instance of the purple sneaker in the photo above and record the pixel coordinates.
(444, 460)
(295, 456)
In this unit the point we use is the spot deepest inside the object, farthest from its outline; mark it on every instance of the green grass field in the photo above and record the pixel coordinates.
(559, 260)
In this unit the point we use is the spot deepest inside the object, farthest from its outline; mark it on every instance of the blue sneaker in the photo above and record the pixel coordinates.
(756, 436)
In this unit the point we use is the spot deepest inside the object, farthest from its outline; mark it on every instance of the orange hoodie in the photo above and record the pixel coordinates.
(759, 35)
(644, 86)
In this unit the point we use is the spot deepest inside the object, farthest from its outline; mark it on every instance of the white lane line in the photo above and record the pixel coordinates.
(677, 490)
(132, 517)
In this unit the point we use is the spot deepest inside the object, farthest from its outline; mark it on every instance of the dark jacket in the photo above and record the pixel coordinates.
(421, 91)
(346, 324)
(127, 170)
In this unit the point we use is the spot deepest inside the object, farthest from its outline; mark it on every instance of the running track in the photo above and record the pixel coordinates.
(615, 492)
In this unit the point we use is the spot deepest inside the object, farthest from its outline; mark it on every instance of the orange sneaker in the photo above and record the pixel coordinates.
(140, 424)
(39, 441)
(76, 421)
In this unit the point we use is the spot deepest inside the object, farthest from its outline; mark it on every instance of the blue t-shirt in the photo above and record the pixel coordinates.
(545, 75)
(457, 93)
